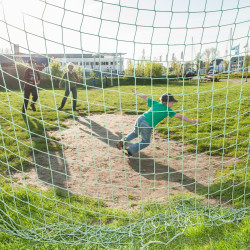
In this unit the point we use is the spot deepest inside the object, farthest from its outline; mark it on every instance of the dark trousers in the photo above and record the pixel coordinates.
(67, 91)
(27, 93)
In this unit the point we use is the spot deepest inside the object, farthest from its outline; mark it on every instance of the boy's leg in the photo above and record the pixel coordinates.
(130, 136)
(74, 92)
(64, 98)
(145, 131)
(34, 98)
(135, 133)
(26, 99)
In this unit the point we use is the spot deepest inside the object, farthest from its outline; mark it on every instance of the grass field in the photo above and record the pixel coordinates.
(224, 130)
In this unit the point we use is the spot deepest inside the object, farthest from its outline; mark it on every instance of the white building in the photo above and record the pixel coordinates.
(99, 62)
(107, 62)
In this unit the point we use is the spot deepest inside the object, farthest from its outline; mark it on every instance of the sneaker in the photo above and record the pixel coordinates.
(33, 106)
(119, 145)
(127, 153)
(60, 108)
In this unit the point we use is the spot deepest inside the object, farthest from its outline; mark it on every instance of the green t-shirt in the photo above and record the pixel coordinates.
(157, 112)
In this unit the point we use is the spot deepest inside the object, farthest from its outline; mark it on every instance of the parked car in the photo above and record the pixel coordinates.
(190, 73)
(212, 71)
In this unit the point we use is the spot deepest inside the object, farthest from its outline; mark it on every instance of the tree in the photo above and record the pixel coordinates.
(226, 64)
(187, 65)
(55, 68)
(92, 73)
(246, 64)
(214, 52)
(129, 71)
(79, 71)
(207, 57)
(139, 70)
(175, 65)
(157, 69)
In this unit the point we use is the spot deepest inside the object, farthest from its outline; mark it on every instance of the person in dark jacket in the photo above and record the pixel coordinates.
(106, 81)
(31, 81)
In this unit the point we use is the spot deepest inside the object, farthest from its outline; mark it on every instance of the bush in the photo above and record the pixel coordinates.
(233, 75)
(157, 70)
(55, 68)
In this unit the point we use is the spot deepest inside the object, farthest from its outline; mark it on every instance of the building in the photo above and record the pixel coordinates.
(236, 63)
(105, 62)
(101, 62)
(217, 65)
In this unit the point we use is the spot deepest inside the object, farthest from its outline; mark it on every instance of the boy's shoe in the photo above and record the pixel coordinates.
(120, 145)
(32, 105)
(60, 108)
(127, 153)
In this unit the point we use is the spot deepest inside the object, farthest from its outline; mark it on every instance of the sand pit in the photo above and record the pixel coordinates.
(92, 165)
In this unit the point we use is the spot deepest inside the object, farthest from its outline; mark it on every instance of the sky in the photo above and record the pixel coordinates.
(160, 28)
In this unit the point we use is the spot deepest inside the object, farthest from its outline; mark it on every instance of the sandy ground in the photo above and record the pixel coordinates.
(91, 164)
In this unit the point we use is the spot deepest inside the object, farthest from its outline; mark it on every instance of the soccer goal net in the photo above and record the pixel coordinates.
(122, 123)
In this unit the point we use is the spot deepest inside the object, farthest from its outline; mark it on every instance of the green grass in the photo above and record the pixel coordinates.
(224, 130)
(227, 236)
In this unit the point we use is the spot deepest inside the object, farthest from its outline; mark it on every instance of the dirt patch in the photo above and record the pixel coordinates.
(91, 164)
(233, 80)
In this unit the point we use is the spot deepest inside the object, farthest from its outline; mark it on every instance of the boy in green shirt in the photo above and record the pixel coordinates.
(146, 122)
(70, 85)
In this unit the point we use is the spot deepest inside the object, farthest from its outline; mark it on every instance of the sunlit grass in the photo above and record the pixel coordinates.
(224, 130)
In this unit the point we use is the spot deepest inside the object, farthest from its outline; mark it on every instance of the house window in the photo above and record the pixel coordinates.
(111, 63)
(97, 63)
(106, 63)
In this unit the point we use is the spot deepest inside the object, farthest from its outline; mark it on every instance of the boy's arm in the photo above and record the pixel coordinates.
(144, 97)
(184, 118)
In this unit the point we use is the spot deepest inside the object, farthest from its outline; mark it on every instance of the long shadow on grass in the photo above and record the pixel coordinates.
(48, 160)
(100, 132)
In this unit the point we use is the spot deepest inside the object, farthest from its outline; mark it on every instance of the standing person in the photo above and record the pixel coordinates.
(32, 79)
(146, 122)
(94, 82)
(70, 79)
(106, 81)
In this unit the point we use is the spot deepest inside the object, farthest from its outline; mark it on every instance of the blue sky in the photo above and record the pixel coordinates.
(160, 27)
